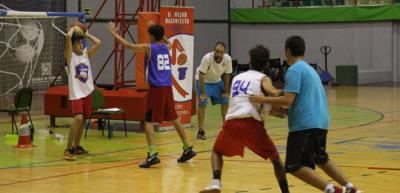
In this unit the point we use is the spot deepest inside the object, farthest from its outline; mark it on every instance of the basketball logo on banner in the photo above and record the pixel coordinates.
(182, 47)
(178, 24)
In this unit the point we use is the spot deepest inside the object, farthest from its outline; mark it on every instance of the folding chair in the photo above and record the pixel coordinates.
(98, 110)
(22, 103)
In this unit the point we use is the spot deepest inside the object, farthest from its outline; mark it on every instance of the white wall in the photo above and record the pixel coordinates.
(372, 46)
(368, 45)
(396, 50)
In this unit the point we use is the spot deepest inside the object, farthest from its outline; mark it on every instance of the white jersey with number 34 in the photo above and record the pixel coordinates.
(244, 85)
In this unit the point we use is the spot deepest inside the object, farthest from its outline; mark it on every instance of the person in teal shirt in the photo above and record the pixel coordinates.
(308, 120)
(309, 109)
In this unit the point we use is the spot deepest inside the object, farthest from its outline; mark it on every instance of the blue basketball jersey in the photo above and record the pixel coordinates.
(159, 66)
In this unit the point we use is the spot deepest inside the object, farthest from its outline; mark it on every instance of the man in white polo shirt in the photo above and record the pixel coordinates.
(210, 85)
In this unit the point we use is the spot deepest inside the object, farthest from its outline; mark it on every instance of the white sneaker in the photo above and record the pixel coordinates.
(213, 187)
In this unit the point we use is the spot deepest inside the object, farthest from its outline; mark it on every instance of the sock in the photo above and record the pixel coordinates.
(217, 174)
(152, 150)
(284, 186)
(349, 185)
(329, 188)
(185, 144)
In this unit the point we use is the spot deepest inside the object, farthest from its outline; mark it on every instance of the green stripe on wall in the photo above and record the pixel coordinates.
(316, 14)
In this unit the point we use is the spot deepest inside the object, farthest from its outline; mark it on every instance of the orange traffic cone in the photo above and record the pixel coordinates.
(24, 138)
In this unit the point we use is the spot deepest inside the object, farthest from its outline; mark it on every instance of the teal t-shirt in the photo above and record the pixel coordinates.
(309, 109)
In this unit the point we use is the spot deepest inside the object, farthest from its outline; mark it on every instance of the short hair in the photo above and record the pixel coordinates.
(77, 36)
(296, 45)
(259, 57)
(157, 31)
(220, 43)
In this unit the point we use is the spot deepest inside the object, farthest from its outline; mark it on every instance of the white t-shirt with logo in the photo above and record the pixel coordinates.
(244, 85)
(213, 70)
(80, 79)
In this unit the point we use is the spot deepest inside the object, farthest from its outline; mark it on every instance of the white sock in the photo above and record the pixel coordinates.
(329, 188)
(349, 185)
(216, 182)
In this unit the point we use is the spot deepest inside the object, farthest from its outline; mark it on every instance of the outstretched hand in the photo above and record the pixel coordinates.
(224, 95)
(111, 27)
(279, 112)
(150, 23)
(202, 98)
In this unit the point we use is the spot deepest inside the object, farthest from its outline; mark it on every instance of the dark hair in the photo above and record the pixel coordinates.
(259, 57)
(220, 43)
(157, 31)
(77, 36)
(296, 45)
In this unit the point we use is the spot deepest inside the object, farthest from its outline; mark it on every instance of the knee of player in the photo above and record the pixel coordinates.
(79, 118)
(203, 104)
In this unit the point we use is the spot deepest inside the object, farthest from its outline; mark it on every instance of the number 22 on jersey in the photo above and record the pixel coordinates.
(163, 62)
(240, 87)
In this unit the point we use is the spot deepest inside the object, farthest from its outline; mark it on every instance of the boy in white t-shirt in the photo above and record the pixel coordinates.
(210, 85)
(80, 85)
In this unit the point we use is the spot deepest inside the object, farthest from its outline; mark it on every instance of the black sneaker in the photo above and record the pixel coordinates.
(187, 154)
(201, 135)
(69, 154)
(150, 160)
(80, 151)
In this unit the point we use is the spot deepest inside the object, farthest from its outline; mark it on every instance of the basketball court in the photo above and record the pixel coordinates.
(364, 140)
(364, 135)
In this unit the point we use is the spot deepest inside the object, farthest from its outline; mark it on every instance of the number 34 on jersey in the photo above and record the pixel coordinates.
(240, 87)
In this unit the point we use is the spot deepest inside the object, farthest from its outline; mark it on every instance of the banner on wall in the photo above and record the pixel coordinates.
(143, 19)
(179, 29)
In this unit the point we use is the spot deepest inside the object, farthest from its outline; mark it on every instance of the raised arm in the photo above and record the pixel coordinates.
(96, 44)
(166, 41)
(136, 47)
(68, 45)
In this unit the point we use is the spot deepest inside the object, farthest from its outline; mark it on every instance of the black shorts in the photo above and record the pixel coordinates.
(305, 149)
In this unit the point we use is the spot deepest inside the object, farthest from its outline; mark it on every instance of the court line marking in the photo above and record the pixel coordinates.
(168, 156)
(175, 142)
(85, 171)
(349, 140)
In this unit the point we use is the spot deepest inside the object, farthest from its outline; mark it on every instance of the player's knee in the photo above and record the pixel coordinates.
(78, 118)
(203, 103)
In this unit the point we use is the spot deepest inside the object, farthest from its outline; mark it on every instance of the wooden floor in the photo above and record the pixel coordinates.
(364, 140)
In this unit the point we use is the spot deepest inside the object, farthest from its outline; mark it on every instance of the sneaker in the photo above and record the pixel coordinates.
(340, 189)
(150, 160)
(80, 151)
(187, 154)
(201, 135)
(353, 190)
(214, 187)
(69, 154)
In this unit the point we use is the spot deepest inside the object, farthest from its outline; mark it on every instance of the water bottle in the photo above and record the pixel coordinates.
(58, 137)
